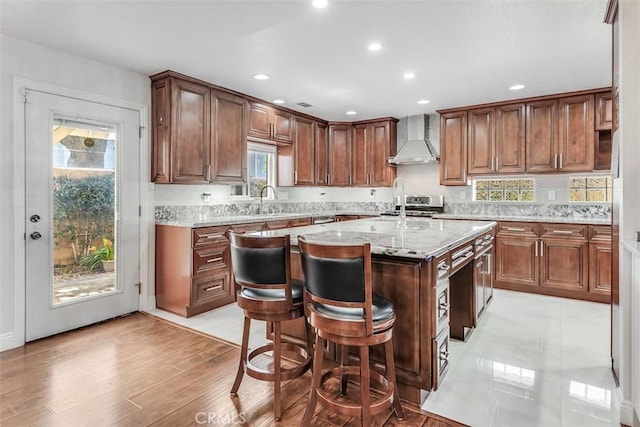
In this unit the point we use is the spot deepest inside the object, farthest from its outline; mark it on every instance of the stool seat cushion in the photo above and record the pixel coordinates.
(273, 294)
(382, 310)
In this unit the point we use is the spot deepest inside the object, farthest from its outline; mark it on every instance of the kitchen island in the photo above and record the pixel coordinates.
(423, 266)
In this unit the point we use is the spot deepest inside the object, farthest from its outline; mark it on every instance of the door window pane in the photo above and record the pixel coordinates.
(261, 169)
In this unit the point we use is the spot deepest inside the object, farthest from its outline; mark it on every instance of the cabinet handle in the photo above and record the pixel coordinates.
(208, 173)
(210, 288)
(160, 119)
(560, 161)
(564, 232)
(212, 236)
(555, 161)
(214, 259)
(349, 179)
(497, 167)
(514, 229)
(327, 179)
(295, 177)
(536, 249)
(541, 248)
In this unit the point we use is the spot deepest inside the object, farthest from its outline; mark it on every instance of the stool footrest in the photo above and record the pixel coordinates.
(295, 352)
(353, 409)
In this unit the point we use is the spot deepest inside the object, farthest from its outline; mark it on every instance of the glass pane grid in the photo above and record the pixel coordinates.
(590, 189)
(504, 190)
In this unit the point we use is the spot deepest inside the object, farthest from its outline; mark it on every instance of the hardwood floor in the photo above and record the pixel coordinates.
(140, 370)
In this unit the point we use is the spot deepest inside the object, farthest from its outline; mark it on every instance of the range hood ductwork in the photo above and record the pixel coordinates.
(417, 148)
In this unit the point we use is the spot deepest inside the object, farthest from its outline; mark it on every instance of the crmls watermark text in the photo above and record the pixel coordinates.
(216, 418)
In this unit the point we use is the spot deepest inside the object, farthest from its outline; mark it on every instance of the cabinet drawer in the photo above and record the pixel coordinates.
(210, 288)
(209, 257)
(461, 256)
(518, 229)
(441, 267)
(600, 233)
(483, 242)
(208, 235)
(564, 231)
(248, 228)
(440, 357)
(441, 308)
(276, 225)
(300, 222)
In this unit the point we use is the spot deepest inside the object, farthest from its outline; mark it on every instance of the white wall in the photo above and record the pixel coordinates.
(21, 59)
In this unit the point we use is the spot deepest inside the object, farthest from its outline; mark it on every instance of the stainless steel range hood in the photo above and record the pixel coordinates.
(417, 148)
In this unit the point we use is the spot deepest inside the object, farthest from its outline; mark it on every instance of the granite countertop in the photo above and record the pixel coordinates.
(418, 238)
(551, 219)
(231, 220)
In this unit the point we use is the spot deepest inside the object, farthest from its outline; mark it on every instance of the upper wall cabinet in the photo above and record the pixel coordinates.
(372, 143)
(229, 137)
(576, 142)
(542, 135)
(453, 148)
(198, 133)
(339, 155)
(268, 123)
(180, 131)
(321, 154)
(304, 148)
(604, 110)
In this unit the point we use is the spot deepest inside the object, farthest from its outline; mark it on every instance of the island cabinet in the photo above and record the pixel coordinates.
(271, 124)
(496, 139)
(193, 273)
(372, 143)
(339, 155)
(554, 259)
(198, 132)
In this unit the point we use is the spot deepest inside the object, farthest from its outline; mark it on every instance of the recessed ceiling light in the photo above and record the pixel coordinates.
(408, 75)
(375, 46)
(423, 101)
(351, 113)
(278, 101)
(320, 3)
(516, 87)
(260, 76)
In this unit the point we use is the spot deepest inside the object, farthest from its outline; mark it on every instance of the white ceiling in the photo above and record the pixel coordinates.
(462, 52)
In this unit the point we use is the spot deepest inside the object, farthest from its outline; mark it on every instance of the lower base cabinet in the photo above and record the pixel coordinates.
(565, 260)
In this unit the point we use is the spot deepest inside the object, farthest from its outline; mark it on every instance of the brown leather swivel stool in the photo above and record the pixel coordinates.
(340, 305)
(265, 291)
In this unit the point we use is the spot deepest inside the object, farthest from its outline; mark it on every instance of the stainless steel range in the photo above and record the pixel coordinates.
(419, 206)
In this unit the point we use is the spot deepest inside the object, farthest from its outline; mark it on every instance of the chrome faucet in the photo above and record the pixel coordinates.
(399, 180)
(275, 195)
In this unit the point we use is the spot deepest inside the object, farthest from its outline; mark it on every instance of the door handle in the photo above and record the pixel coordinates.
(35, 235)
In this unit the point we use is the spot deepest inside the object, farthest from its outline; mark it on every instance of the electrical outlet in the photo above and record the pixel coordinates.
(551, 195)
(463, 195)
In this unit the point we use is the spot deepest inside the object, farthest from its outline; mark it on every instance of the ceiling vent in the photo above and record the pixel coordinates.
(304, 104)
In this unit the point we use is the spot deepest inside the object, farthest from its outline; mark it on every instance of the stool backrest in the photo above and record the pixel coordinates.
(261, 262)
(339, 276)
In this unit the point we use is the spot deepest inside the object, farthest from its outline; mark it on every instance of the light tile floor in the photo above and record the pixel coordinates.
(533, 361)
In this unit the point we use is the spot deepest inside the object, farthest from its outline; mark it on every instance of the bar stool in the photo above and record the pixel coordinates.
(265, 291)
(340, 305)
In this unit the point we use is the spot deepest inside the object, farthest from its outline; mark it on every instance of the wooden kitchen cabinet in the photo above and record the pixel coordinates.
(339, 155)
(372, 144)
(480, 142)
(604, 110)
(268, 123)
(453, 148)
(229, 139)
(321, 154)
(181, 139)
(304, 149)
(576, 136)
(542, 135)
(566, 260)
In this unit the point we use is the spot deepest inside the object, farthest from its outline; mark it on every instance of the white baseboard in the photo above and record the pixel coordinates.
(8, 341)
(148, 303)
(626, 409)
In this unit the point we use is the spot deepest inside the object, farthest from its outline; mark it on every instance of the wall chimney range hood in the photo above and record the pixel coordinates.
(417, 148)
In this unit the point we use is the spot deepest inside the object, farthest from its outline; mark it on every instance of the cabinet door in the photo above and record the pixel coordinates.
(564, 264)
(453, 148)
(478, 285)
(600, 268)
(339, 155)
(304, 173)
(321, 152)
(604, 110)
(480, 153)
(360, 156)
(382, 145)
(190, 135)
(576, 143)
(542, 136)
(161, 114)
(282, 126)
(259, 120)
(510, 138)
(516, 260)
(229, 132)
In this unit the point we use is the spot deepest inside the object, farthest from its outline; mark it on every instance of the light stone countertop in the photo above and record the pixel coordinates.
(418, 238)
(550, 219)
